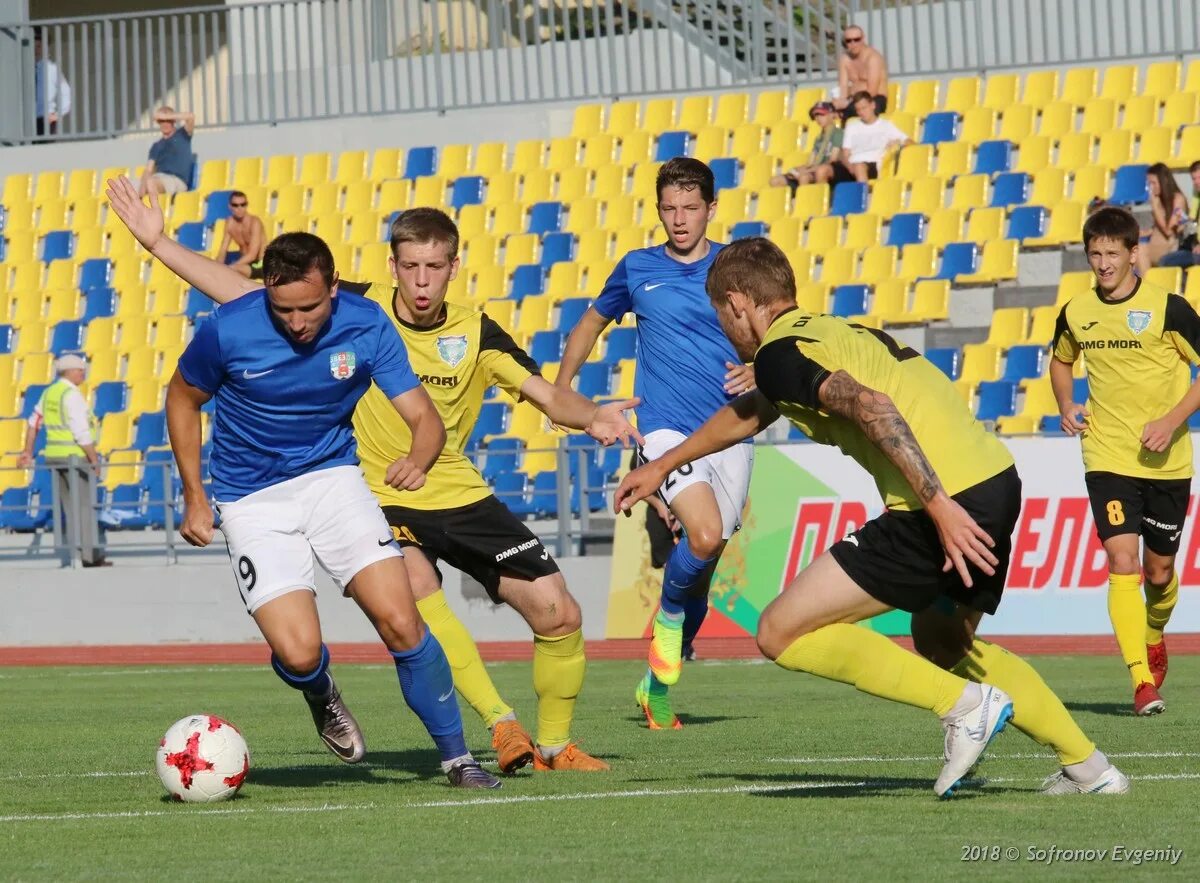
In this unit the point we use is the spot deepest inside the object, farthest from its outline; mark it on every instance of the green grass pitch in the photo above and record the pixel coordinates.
(775, 776)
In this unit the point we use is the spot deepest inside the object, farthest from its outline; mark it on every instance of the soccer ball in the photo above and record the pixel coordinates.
(202, 759)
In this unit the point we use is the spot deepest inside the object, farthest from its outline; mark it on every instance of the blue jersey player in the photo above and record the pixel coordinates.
(287, 366)
(686, 367)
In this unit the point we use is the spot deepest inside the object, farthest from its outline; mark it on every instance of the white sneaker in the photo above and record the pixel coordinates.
(1111, 781)
(968, 735)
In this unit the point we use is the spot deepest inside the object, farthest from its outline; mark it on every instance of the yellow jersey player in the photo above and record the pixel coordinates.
(1136, 341)
(940, 550)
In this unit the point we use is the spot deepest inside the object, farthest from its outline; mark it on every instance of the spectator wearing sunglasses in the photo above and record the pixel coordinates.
(860, 69)
(826, 149)
(246, 232)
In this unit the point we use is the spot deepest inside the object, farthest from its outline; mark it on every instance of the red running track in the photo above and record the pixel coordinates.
(497, 651)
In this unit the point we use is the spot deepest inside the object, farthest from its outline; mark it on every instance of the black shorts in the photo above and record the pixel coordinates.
(897, 558)
(841, 173)
(483, 540)
(1152, 507)
(880, 107)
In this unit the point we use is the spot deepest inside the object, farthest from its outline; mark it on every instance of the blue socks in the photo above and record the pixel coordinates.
(316, 683)
(695, 609)
(428, 688)
(681, 574)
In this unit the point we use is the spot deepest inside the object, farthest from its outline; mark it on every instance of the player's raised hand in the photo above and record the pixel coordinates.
(964, 541)
(197, 527)
(1157, 434)
(1074, 419)
(738, 379)
(405, 475)
(144, 221)
(639, 484)
(611, 425)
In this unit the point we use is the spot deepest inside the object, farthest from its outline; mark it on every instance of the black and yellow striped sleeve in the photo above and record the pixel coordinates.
(784, 374)
(1181, 326)
(502, 359)
(1064, 347)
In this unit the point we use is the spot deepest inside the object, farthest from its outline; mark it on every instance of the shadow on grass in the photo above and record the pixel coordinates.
(843, 786)
(1112, 709)
(379, 768)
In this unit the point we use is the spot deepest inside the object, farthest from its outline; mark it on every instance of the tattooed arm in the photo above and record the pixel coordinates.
(875, 414)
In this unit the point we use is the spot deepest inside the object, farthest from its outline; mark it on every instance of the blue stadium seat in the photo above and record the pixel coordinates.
(948, 360)
(849, 300)
(578, 443)
(66, 337)
(58, 245)
(1129, 186)
(546, 346)
(510, 487)
(939, 127)
(1010, 188)
(95, 273)
(796, 434)
(527, 279)
(671, 145)
(543, 499)
(127, 506)
(193, 235)
(501, 459)
(595, 379)
(6, 339)
(993, 157)
(1194, 421)
(110, 396)
(622, 344)
(150, 431)
(198, 304)
(610, 459)
(1080, 390)
(545, 217)
(748, 229)
(596, 502)
(98, 303)
(491, 421)
(33, 395)
(571, 311)
(162, 489)
(727, 171)
(849, 198)
(997, 398)
(420, 162)
(23, 510)
(1024, 362)
(1026, 222)
(216, 206)
(1051, 424)
(556, 248)
(467, 191)
(907, 228)
(958, 258)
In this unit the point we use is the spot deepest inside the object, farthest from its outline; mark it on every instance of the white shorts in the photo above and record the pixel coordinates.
(273, 534)
(727, 472)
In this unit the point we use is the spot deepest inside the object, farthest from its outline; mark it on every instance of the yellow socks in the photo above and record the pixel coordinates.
(1037, 711)
(558, 665)
(470, 677)
(1160, 601)
(1127, 611)
(874, 664)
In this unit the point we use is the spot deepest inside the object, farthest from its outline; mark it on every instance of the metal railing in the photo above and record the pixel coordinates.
(266, 62)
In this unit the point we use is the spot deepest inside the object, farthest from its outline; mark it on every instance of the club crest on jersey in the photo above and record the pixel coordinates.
(452, 348)
(341, 365)
(1139, 320)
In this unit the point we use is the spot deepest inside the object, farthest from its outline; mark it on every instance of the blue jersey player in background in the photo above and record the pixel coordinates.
(287, 365)
(686, 367)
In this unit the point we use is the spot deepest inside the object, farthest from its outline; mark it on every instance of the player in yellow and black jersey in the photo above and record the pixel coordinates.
(1136, 341)
(458, 353)
(941, 548)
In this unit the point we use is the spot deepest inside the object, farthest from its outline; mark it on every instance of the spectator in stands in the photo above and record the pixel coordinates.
(825, 151)
(865, 142)
(247, 232)
(52, 92)
(1169, 213)
(1188, 252)
(860, 69)
(170, 163)
(70, 448)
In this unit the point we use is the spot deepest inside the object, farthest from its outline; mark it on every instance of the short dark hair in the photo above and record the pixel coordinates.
(234, 194)
(1112, 222)
(756, 267)
(1194, 167)
(291, 256)
(862, 96)
(424, 225)
(686, 174)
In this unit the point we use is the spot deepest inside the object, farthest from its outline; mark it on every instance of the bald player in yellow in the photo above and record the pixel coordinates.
(1136, 340)
(940, 550)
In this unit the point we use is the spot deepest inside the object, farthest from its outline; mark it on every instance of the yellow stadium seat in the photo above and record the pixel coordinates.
(315, 167)
(1049, 187)
(490, 157)
(970, 191)
(365, 228)
(887, 197)
(1009, 327)
(905, 122)
(1016, 123)
(386, 162)
(86, 213)
(981, 361)
(813, 297)
(1016, 424)
(48, 186)
(1000, 92)
(247, 172)
(985, 224)
(770, 107)
(596, 275)
(508, 219)
(1039, 399)
(1033, 154)
(122, 467)
(521, 248)
(1187, 150)
(1041, 325)
(771, 205)
(1115, 148)
(599, 150)
(587, 120)
(810, 201)
(637, 147)
(921, 97)
(27, 276)
(787, 233)
(625, 211)
(1120, 82)
(878, 264)
(962, 94)
(62, 305)
(839, 266)
(52, 215)
(1170, 278)
(1181, 109)
(954, 158)
(931, 299)
(12, 435)
(60, 274)
(915, 161)
(1154, 145)
(593, 245)
(1079, 85)
(733, 206)
(326, 199)
(488, 282)
(100, 335)
(1099, 116)
(998, 264)
(291, 200)
(824, 234)
(454, 161)
(430, 190)
(18, 216)
(711, 142)
(1088, 183)
(609, 181)
(623, 116)
(889, 302)
(803, 263)
(331, 227)
(537, 185)
(658, 115)
(804, 99)
(733, 109)
(1072, 283)
(1162, 79)
(352, 167)
(133, 332)
(481, 251)
(534, 314)
(1191, 291)
(501, 190)
(503, 312)
(18, 187)
(695, 112)
(917, 260)
(116, 431)
(281, 170)
(36, 367)
(748, 141)
(863, 230)
(786, 138)
(563, 153)
(583, 213)
(90, 243)
(945, 226)
(758, 171)
(82, 184)
(529, 155)
(564, 281)
(541, 452)
(169, 299)
(629, 239)
(145, 395)
(1140, 113)
(978, 125)
(214, 175)
(1058, 119)
(926, 196)
(27, 308)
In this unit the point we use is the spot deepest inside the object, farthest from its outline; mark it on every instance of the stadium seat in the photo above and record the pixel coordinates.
(978, 125)
(947, 359)
(1079, 85)
(1170, 278)
(863, 231)
(887, 197)
(1115, 148)
(1008, 326)
(1130, 186)
(921, 97)
(1154, 145)
(1010, 188)
(1140, 113)
(109, 397)
(931, 300)
(571, 311)
(980, 362)
(917, 261)
(906, 229)
(992, 157)
(849, 300)
(545, 217)
(1162, 79)
(1099, 116)
(849, 197)
(997, 398)
(672, 144)
(1088, 183)
(467, 191)
(748, 229)
(939, 127)
(1016, 123)
(878, 264)
(985, 224)
(958, 259)
(1181, 109)
(1027, 222)
(527, 279)
(726, 172)
(997, 263)
(1041, 325)
(421, 162)
(594, 379)
(546, 346)
(970, 191)
(557, 248)
(66, 337)
(620, 345)
(6, 342)
(58, 245)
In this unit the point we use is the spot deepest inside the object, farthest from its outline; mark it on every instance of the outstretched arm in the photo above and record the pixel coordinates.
(145, 222)
(605, 423)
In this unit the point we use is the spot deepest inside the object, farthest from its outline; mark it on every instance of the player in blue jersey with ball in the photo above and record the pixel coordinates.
(686, 367)
(287, 365)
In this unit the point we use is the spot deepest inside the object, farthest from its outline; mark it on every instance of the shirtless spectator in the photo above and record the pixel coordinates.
(245, 231)
(860, 69)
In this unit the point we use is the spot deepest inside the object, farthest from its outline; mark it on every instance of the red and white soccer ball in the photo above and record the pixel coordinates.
(202, 759)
